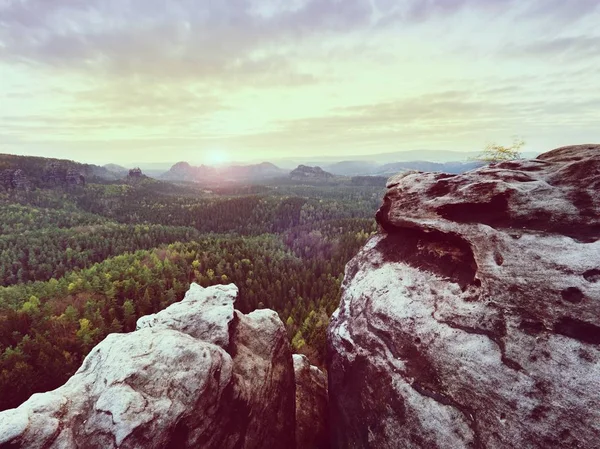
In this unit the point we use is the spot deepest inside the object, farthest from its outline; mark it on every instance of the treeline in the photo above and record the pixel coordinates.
(17, 218)
(50, 253)
(48, 327)
(246, 215)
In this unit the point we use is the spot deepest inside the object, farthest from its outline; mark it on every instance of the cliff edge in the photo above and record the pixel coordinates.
(473, 319)
(199, 374)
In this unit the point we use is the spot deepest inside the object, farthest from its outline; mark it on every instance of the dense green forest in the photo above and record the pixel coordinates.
(78, 263)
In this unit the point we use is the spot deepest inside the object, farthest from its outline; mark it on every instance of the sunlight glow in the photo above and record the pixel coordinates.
(217, 157)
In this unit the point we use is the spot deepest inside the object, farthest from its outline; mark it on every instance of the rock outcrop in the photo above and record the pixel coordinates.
(196, 375)
(473, 319)
(11, 179)
(135, 173)
(311, 174)
(63, 173)
(312, 420)
(74, 178)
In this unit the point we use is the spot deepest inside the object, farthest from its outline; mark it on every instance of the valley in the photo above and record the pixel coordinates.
(81, 260)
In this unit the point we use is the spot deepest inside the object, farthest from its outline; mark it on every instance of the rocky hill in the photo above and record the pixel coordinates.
(25, 172)
(310, 174)
(473, 319)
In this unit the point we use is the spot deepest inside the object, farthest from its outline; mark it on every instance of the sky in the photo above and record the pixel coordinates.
(127, 81)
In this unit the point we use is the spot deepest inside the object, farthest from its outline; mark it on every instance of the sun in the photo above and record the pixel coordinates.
(217, 157)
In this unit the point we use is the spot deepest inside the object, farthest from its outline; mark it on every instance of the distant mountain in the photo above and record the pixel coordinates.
(310, 174)
(183, 171)
(264, 170)
(448, 167)
(117, 169)
(29, 172)
(360, 168)
(438, 156)
(378, 159)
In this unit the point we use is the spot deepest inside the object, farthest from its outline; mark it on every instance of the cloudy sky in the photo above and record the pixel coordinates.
(204, 80)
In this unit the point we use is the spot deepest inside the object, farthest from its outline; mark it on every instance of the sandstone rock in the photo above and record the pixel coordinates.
(55, 173)
(11, 179)
(196, 375)
(135, 173)
(473, 319)
(312, 420)
(74, 178)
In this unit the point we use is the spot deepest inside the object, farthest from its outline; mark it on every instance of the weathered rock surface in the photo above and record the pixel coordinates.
(14, 179)
(312, 420)
(63, 173)
(196, 375)
(473, 319)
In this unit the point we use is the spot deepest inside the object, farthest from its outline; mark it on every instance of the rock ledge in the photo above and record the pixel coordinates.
(473, 319)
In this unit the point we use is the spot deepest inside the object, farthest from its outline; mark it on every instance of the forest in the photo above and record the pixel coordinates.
(78, 263)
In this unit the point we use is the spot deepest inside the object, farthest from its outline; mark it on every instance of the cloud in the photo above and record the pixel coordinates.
(564, 11)
(573, 48)
(294, 74)
(201, 40)
(443, 116)
(219, 41)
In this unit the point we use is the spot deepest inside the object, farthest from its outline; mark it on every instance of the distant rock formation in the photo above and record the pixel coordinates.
(135, 173)
(473, 319)
(306, 173)
(59, 173)
(74, 178)
(184, 172)
(14, 179)
(55, 173)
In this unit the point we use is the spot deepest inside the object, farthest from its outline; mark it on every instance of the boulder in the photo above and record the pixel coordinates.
(312, 420)
(473, 319)
(196, 375)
